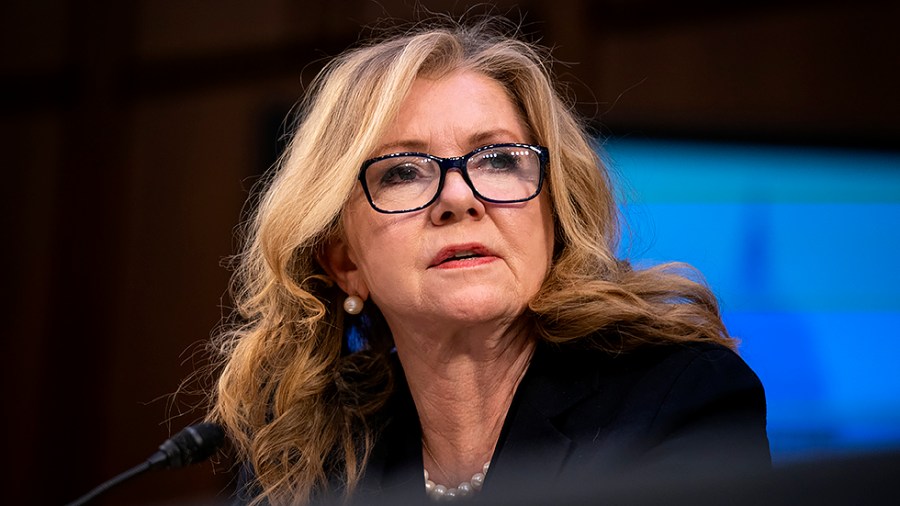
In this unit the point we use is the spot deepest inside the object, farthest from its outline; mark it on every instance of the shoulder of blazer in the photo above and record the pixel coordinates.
(581, 414)
(561, 376)
(643, 397)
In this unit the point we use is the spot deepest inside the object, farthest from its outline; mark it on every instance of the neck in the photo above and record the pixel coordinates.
(462, 393)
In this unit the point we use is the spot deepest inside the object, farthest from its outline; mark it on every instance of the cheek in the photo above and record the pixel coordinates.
(381, 247)
(363, 227)
(532, 234)
(546, 226)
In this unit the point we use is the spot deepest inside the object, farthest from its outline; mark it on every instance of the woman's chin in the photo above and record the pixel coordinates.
(479, 310)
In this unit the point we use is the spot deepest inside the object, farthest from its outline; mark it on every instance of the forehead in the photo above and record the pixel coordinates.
(454, 113)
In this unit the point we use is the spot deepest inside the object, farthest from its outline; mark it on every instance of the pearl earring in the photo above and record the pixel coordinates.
(353, 304)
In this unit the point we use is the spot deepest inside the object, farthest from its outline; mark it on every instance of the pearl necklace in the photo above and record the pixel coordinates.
(465, 489)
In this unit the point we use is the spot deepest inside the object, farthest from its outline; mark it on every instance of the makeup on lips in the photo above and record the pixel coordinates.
(462, 255)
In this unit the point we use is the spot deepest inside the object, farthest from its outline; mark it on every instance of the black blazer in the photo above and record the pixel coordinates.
(589, 427)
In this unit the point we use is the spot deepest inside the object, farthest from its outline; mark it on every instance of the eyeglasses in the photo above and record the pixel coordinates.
(498, 173)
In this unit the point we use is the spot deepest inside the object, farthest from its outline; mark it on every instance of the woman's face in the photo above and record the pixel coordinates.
(400, 261)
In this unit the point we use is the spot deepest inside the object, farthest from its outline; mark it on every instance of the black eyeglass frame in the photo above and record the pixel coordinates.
(460, 163)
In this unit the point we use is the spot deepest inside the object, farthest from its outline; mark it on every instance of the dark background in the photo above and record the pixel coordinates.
(132, 132)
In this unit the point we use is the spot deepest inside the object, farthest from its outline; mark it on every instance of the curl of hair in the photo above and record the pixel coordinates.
(297, 407)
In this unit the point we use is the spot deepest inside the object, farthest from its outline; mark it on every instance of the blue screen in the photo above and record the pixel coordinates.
(799, 244)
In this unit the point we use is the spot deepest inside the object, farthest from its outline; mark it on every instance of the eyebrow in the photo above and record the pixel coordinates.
(474, 141)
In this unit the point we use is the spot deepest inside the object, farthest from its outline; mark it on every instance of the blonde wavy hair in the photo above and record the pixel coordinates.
(298, 407)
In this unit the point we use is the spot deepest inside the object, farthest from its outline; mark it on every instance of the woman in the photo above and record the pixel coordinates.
(430, 297)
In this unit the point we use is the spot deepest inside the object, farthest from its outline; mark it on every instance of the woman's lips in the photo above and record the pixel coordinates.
(463, 263)
(462, 255)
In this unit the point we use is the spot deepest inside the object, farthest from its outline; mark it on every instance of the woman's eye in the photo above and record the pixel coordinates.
(400, 174)
(499, 162)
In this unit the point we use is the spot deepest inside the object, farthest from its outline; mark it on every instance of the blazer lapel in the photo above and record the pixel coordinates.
(531, 446)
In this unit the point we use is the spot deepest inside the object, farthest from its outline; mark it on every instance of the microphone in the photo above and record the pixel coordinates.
(191, 445)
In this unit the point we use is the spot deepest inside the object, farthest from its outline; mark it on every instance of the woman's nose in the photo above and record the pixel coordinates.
(456, 201)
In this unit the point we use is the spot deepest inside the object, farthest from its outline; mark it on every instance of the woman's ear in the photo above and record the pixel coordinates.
(338, 261)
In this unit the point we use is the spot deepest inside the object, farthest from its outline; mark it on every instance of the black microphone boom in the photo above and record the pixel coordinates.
(191, 445)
